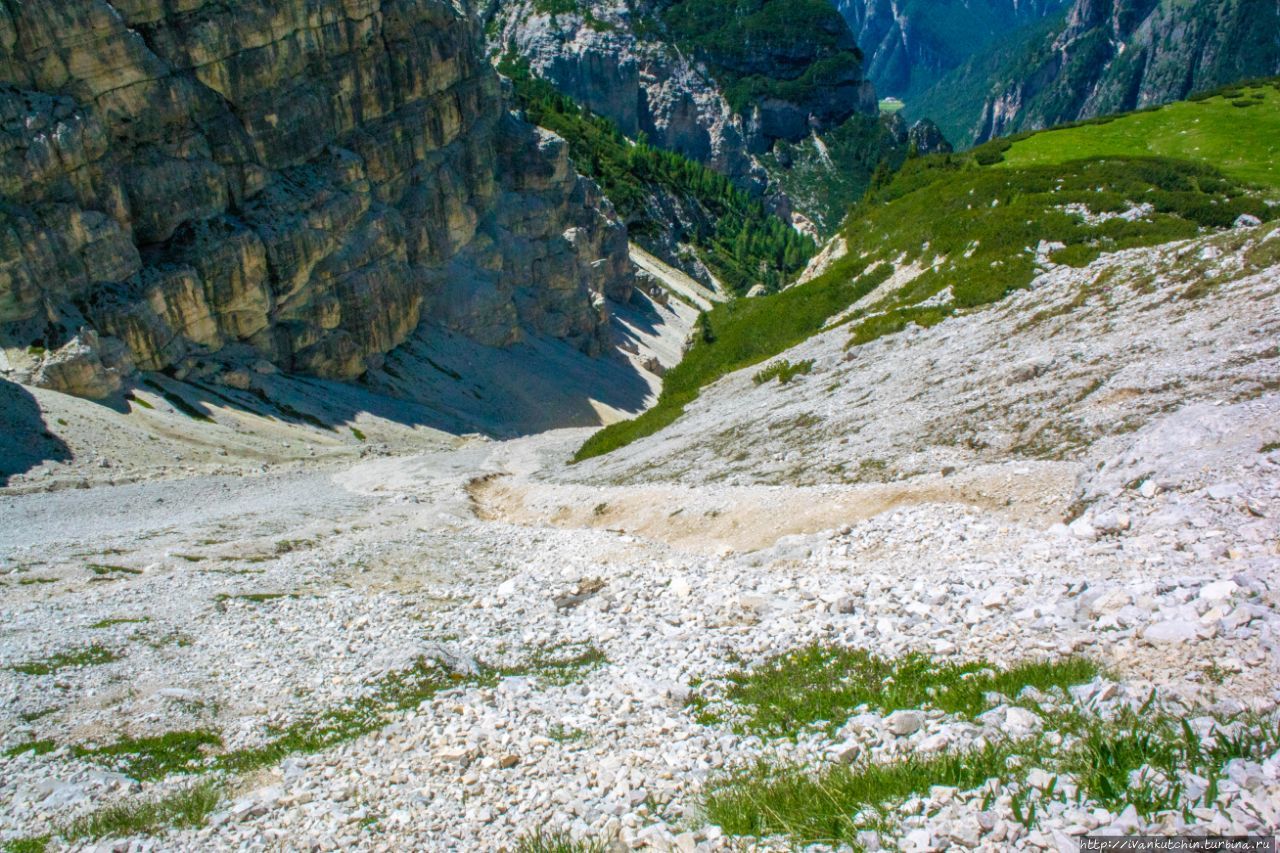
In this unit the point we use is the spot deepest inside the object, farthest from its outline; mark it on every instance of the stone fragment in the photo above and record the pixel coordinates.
(903, 723)
(1170, 632)
(1219, 590)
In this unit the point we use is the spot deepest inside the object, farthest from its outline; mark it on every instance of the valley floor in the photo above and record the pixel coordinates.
(463, 642)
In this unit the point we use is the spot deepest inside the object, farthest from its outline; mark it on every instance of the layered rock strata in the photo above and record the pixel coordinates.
(300, 182)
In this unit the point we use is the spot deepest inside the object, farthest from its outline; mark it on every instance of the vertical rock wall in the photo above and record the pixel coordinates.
(304, 181)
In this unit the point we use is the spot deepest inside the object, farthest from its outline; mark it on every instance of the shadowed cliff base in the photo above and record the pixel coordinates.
(25, 440)
(433, 393)
(532, 386)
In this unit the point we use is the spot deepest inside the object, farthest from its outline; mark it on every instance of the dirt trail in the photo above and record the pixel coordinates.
(722, 519)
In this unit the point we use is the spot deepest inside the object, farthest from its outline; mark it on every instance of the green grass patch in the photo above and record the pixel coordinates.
(288, 546)
(35, 581)
(541, 841)
(822, 684)
(93, 655)
(31, 844)
(783, 370)
(566, 663)
(107, 623)
(821, 808)
(155, 757)
(1243, 144)
(32, 716)
(398, 691)
(37, 747)
(253, 597)
(743, 333)
(188, 751)
(1136, 757)
(894, 321)
(560, 734)
(103, 570)
(133, 398)
(184, 809)
(357, 434)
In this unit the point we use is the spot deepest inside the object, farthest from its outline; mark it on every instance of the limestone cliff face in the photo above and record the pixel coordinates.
(910, 43)
(1116, 55)
(719, 85)
(301, 181)
(616, 69)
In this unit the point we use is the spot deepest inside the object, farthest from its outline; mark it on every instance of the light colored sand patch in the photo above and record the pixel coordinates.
(721, 519)
(680, 282)
(833, 251)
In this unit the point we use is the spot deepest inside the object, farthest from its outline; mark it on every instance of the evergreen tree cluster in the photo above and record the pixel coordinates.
(741, 242)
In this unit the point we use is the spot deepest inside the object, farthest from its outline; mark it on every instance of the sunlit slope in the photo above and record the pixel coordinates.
(952, 234)
(1237, 131)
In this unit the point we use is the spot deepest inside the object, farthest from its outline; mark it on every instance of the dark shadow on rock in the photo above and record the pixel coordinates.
(438, 380)
(25, 439)
(536, 385)
(298, 399)
(642, 313)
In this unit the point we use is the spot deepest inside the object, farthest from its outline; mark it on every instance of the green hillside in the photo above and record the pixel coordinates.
(973, 223)
(1237, 131)
(955, 101)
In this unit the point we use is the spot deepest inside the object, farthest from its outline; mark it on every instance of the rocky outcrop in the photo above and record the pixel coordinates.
(909, 44)
(305, 182)
(716, 106)
(1117, 55)
(921, 136)
(641, 83)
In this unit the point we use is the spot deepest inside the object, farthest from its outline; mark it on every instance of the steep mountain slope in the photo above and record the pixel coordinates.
(768, 94)
(949, 234)
(824, 175)
(610, 60)
(683, 211)
(791, 67)
(299, 183)
(909, 44)
(714, 81)
(1108, 56)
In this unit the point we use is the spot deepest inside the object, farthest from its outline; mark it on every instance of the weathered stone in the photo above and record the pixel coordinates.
(903, 723)
(1170, 632)
(214, 183)
(85, 367)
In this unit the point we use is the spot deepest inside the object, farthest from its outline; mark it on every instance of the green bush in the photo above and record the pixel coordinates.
(783, 370)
